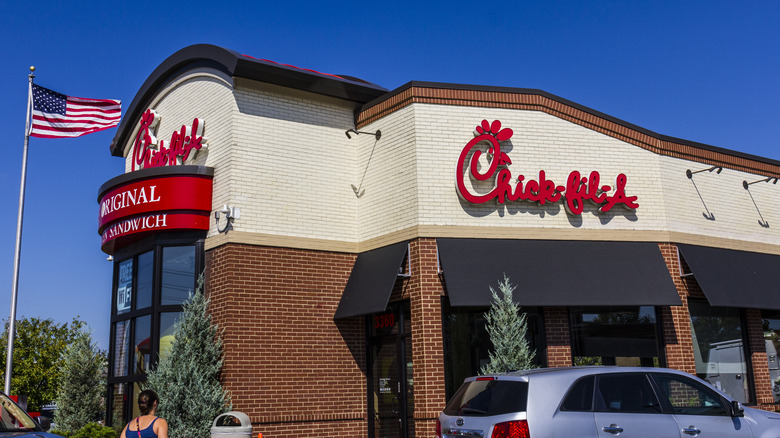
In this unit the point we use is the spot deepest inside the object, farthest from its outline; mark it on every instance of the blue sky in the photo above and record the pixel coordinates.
(703, 71)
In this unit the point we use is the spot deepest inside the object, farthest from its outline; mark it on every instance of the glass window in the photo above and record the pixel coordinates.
(145, 278)
(178, 274)
(167, 321)
(688, 397)
(151, 283)
(626, 393)
(121, 347)
(119, 406)
(771, 326)
(124, 287)
(134, 400)
(143, 345)
(718, 348)
(467, 344)
(623, 336)
(580, 396)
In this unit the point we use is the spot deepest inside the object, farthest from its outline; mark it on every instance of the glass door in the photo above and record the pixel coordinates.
(391, 394)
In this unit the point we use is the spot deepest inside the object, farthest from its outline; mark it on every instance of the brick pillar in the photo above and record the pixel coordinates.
(676, 320)
(426, 290)
(556, 327)
(761, 379)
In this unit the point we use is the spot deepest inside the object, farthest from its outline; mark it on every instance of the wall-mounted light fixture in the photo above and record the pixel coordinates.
(377, 134)
(359, 191)
(690, 173)
(229, 213)
(746, 184)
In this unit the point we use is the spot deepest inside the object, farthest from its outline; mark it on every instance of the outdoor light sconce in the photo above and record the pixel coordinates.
(359, 191)
(690, 174)
(230, 213)
(377, 134)
(746, 184)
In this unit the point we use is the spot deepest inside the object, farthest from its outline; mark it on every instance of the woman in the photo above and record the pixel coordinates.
(147, 425)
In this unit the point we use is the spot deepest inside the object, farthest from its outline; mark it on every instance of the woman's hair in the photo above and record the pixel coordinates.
(146, 401)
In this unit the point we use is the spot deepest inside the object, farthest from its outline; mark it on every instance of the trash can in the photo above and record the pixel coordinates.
(232, 424)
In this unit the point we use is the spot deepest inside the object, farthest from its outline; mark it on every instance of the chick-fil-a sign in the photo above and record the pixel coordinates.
(148, 153)
(578, 188)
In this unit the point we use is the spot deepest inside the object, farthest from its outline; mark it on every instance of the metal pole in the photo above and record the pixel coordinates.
(12, 318)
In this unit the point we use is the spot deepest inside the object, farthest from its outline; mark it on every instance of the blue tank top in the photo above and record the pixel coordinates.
(145, 433)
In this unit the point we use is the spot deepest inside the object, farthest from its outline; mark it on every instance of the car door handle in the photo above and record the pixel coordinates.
(691, 430)
(612, 428)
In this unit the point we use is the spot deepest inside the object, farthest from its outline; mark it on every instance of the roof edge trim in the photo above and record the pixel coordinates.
(645, 138)
(237, 65)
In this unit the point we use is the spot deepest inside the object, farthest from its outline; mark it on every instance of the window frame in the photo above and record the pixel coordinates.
(670, 409)
(595, 406)
(746, 350)
(156, 244)
(658, 332)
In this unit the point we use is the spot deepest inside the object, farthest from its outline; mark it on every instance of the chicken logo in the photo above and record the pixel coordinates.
(184, 144)
(575, 192)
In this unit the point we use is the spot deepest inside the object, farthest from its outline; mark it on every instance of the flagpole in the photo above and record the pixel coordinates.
(12, 318)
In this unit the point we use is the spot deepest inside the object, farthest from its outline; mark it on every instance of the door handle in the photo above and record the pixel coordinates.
(692, 430)
(612, 428)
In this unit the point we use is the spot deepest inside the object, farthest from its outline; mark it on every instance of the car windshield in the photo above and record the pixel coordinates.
(13, 418)
(488, 397)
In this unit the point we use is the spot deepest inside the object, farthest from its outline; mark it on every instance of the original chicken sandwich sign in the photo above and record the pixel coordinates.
(506, 188)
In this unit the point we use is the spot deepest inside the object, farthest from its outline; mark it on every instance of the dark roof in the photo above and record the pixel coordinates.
(244, 66)
(341, 86)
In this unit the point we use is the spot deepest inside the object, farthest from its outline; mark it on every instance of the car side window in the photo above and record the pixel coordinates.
(626, 392)
(580, 396)
(689, 397)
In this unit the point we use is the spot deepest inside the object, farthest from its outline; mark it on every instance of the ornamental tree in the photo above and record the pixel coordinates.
(188, 378)
(82, 390)
(507, 328)
(38, 348)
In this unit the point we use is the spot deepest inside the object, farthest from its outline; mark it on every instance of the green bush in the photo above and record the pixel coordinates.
(91, 430)
(60, 433)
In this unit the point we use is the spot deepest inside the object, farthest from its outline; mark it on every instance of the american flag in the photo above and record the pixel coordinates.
(56, 115)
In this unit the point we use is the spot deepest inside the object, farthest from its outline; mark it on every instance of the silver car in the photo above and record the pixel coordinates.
(604, 402)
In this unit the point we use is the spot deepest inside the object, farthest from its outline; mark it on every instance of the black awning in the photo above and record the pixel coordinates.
(371, 281)
(731, 278)
(557, 273)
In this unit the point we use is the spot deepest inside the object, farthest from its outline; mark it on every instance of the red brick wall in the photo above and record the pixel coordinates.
(556, 327)
(755, 333)
(294, 370)
(677, 332)
(426, 290)
(676, 320)
(287, 364)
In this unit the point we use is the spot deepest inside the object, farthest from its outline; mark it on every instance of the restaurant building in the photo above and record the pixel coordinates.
(349, 236)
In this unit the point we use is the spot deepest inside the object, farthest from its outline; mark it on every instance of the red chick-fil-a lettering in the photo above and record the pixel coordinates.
(148, 152)
(542, 190)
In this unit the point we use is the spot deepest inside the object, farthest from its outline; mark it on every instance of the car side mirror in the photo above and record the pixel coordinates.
(736, 409)
(44, 422)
